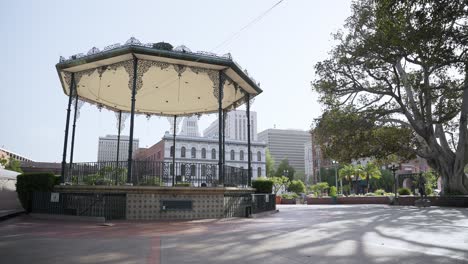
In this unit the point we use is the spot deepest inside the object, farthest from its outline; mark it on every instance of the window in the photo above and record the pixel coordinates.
(259, 156)
(232, 155)
(203, 170)
(213, 154)
(182, 169)
(194, 153)
(193, 170)
(172, 151)
(203, 153)
(182, 152)
(259, 171)
(241, 155)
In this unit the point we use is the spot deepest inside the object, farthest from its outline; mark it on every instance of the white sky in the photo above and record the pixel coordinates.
(279, 51)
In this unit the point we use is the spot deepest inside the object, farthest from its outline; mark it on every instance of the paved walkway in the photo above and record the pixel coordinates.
(297, 234)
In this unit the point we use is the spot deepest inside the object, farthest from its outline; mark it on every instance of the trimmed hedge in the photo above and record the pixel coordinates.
(404, 191)
(27, 183)
(263, 185)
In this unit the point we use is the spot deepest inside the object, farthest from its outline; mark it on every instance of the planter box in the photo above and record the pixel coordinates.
(278, 199)
(325, 200)
(288, 201)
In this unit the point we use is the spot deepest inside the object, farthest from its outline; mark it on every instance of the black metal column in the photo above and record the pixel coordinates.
(174, 153)
(118, 148)
(220, 127)
(72, 150)
(132, 120)
(224, 136)
(249, 159)
(65, 141)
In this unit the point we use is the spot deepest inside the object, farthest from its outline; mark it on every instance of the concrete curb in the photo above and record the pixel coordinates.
(94, 219)
(262, 214)
(11, 214)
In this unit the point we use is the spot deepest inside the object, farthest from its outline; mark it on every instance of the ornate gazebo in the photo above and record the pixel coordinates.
(155, 79)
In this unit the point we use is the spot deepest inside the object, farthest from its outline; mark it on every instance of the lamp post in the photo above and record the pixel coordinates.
(394, 169)
(285, 173)
(335, 163)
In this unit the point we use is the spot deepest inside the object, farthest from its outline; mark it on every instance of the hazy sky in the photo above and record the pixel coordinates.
(279, 51)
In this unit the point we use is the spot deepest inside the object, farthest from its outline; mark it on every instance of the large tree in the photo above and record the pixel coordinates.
(405, 64)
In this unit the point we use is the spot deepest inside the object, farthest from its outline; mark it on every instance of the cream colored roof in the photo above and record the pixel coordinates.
(168, 82)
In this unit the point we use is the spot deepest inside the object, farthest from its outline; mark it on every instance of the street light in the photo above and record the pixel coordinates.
(285, 173)
(336, 173)
(394, 169)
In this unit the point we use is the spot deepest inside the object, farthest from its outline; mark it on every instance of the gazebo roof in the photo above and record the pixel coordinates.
(168, 82)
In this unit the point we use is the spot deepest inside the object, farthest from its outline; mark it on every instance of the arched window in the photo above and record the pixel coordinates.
(172, 151)
(182, 152)
(213, 154)
(241, 155)
(193, 152)
(233, 155)
(203, 153)
(259, 156)
(259, 171)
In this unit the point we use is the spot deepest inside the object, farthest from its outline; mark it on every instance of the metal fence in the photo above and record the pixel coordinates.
(263, 203)
(109, 205)
(155, 173)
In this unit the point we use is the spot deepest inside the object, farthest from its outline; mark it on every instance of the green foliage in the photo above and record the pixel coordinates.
(385, 182)
(106, 176)
(404, 191)
(279, 183)
(332, 191)
(297, 186)
(283, 167)
(263, 185)
(370, 194)
(269, 164)
(319, 188)
(183, 184)
(289, 196)
(151, 181)
(11, 164)
(27, 183)
(346, 134)
(380, 192)
(396, 79)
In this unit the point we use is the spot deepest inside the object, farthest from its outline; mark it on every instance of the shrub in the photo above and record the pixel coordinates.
(297, 186)
(333, 191)
(370, 194)
(319, 188)
(27, 183)
(152, 181)
(380, 192)
(263, 185)
(289, 196)
(182, 184)
(404, 191)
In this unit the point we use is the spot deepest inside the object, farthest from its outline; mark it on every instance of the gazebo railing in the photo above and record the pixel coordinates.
(155, 173)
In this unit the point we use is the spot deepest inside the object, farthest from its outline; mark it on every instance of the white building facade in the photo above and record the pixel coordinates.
(107, 148)
(190, 127)
(308, 160)
(205, 150)
(236, 126)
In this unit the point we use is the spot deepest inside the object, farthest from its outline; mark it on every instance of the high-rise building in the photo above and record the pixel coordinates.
(286, 144)
(308, 160)
(190, 127)
(236, 126)
(107, 148)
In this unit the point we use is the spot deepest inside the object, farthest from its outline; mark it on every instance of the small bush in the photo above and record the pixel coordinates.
(370, 194)
(289, 196)
(380, 192)
(152, 181)
(182, 184)
(27, 183)
(333, 191)
(404, 191)
(297, 186)
(263, 185)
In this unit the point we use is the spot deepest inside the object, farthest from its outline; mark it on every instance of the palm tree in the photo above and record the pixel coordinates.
(371, 171)
(347, 172)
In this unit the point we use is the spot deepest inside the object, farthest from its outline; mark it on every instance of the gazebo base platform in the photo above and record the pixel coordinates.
(152, 203)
